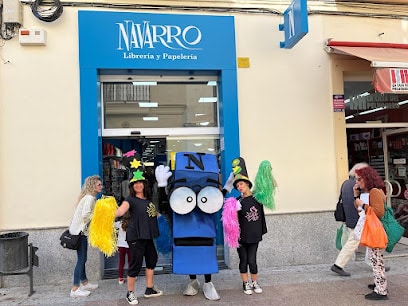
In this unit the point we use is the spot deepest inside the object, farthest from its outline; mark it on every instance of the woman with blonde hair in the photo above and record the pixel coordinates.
(79, 224)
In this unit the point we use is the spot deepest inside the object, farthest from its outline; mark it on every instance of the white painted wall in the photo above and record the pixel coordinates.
(285, 113)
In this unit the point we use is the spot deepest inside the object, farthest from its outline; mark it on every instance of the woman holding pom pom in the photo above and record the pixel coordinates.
(141, 231)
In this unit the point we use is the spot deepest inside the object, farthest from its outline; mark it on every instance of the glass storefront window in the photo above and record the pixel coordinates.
(363, 105)
(152, 104)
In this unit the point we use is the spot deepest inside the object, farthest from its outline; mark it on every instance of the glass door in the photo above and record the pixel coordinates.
(396, 156)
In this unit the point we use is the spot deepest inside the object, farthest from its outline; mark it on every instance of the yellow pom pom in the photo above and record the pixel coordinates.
(102, 232)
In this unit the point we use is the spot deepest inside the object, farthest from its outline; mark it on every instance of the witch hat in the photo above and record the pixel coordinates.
(240, 172)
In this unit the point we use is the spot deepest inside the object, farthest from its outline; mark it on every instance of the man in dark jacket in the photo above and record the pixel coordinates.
(347, 196)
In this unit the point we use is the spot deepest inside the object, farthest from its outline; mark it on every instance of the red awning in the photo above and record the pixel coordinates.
(390, 62)
(391, 80)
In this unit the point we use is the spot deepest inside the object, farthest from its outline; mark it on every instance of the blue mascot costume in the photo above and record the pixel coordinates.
(194, 197)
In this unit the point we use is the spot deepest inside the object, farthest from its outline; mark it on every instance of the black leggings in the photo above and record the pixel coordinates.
(247, 257)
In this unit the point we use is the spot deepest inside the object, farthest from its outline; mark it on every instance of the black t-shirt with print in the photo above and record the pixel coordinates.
(251, 219)
(143, 220)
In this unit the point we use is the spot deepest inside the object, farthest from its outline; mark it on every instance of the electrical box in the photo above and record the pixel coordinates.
(33, 37)
(12, 12)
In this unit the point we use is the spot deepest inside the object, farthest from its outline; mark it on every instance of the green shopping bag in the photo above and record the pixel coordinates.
(393, 229)
(339, 236)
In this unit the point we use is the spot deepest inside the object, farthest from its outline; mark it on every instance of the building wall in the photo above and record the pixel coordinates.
(285, 116)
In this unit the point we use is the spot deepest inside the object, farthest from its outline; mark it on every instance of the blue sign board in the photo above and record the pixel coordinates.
(156, 41)
(295, 23)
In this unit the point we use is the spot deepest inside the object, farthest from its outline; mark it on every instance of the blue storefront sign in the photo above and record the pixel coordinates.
(156, 41)
(137, 42)
(295, 23)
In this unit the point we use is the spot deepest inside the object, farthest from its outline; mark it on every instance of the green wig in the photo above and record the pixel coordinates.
(265, 185)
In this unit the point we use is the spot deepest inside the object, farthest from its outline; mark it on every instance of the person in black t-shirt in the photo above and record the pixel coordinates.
(141, 231)
(251, 218)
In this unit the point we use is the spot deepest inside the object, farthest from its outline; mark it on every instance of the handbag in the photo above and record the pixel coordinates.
(70, 241)
(339, 212)
(373, 235)
(393, 229)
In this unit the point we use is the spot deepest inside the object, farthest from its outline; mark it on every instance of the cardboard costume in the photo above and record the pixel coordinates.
(194, 197)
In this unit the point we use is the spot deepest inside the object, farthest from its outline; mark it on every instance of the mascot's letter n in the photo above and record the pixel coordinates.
(194, 198)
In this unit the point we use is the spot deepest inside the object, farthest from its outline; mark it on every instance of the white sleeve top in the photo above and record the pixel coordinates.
(82, 215)
(121, 235)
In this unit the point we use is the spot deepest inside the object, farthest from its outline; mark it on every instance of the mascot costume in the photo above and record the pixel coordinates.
(194, 197)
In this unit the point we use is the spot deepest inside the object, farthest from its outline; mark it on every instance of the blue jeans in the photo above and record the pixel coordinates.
(82, 253)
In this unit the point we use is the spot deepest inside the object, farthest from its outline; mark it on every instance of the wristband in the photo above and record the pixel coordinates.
(357, 197)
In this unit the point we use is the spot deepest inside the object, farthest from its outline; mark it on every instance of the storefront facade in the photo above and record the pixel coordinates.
(272, 103)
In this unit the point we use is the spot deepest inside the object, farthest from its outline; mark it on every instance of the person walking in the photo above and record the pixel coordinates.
(351, 214)
(142, 229)
(79, 224)
(123, 247)
(368, 180)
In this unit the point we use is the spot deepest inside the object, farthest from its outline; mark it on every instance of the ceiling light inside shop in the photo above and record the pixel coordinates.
(204, 123)
(198, 144)
(154, 141)
(207, 100)
(212, 83)
(150, 118)
(358, 96)
(148, 104)
(372, 111)
(144, 83)
(211, 149)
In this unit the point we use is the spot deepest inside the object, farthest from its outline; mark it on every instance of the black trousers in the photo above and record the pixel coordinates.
(139, 249)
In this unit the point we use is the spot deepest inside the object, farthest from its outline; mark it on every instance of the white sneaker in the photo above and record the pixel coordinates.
(121, 281)
(192, 288)
(256, 287)
(89, 286)
(247, 288)
(80, 293)
(209, 292)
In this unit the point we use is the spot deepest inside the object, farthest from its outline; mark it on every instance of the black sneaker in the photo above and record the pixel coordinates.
(375, 296)
(371, 286)
(339, 271)
(152, 292)
(131, 298)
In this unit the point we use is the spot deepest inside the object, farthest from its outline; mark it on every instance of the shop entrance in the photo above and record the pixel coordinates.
(386, 150)
(156, 116)
(377, 133)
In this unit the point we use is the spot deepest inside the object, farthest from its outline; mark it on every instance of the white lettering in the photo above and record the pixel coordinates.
(138, 36)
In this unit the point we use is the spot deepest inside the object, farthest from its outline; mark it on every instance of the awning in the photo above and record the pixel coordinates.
(390, 62)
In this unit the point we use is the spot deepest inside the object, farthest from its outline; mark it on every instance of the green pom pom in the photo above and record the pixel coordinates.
(265, 185)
